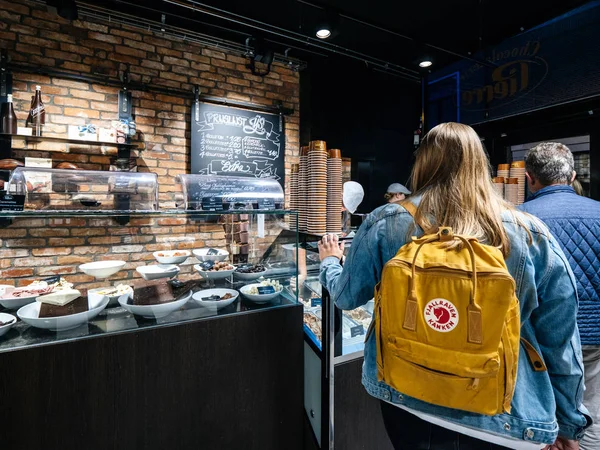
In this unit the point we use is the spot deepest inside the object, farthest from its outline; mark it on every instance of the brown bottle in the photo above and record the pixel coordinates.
(9, 118)
(37, 113)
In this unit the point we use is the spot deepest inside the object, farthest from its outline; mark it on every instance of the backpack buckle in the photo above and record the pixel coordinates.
(445, 234)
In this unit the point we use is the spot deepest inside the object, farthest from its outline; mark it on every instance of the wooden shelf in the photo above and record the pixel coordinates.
(68, 141)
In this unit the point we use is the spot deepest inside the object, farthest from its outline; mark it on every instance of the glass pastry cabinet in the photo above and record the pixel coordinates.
(128, 312)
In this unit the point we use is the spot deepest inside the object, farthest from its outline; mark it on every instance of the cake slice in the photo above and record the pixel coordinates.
(62, 303)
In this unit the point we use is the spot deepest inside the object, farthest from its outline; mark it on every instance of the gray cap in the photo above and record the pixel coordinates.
(397, 188)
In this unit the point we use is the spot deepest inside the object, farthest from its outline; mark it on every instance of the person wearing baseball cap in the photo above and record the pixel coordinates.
(396, 192)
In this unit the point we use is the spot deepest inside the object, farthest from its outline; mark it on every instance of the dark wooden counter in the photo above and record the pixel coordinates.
(229, 383)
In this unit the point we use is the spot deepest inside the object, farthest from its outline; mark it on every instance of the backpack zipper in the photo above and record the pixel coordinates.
(465, 273)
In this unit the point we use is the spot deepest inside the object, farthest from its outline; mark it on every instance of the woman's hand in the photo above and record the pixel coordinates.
(563, 444)
(330, 246)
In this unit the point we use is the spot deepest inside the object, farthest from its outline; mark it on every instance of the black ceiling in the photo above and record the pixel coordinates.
(458, 26)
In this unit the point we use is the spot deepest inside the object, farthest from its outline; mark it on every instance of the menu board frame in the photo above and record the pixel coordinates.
(233, 141)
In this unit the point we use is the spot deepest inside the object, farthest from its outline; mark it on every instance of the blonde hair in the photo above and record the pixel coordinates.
(453, 177)
(576, 185)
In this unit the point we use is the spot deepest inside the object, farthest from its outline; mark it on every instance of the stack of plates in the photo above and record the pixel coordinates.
(499, 185)
(503, 170)
(334, 191)
(517, 170)
(511, 190)
(303, 190)
(294, 191)
(317, 187)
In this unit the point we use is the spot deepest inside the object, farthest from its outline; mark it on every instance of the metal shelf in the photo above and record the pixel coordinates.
(68, 141)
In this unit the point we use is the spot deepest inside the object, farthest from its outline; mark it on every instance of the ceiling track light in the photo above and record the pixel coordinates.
(425, 63)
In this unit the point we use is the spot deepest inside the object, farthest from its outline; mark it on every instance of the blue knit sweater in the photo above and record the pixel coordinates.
(575, 222)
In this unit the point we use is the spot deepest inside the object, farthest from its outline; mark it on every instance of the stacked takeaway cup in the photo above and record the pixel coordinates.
(499, 185)
(517, 170)
(303, 190)
(334, 191)
(503, 171)
(317, 187)
(511, 190)
(294, 192)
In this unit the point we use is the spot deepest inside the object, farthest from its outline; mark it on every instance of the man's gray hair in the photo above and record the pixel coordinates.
(550, 163)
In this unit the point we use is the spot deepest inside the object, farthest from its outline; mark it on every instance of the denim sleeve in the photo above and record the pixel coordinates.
(354, 284)
(559, 342)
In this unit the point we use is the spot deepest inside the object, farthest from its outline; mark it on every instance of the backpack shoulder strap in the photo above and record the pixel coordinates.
(409, 206)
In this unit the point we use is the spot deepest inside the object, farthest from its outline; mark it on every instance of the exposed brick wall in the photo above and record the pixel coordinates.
(32, 36)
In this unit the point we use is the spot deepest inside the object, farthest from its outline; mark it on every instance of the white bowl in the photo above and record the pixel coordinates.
(102, 269)
(14, 303)
(156, 271)
(113, 300)
(168, 257)
(213, 275)
(7, 318)
(155, 311)
(250, 276)
(202, 256)
(30, 315)
(258, 298)
(218, 304)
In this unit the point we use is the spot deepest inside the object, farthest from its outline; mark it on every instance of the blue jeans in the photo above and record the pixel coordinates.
(408, 432)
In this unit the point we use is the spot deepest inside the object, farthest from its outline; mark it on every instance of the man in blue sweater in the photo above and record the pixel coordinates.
(575, 222)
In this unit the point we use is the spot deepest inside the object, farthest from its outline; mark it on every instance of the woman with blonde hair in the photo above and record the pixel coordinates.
(452, 187)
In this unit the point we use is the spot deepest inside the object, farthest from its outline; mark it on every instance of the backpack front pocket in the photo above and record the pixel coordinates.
(462, 380)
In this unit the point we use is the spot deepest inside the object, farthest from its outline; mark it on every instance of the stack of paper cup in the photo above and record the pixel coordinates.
(503, 170)
(303, 190)
(317, 188)
(334, 191)
(511, 190)
(294, 192)
(499, 185)
(517, 170)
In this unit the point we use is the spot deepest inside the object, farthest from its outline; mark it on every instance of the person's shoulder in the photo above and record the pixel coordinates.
(524, 221)
(386, 212)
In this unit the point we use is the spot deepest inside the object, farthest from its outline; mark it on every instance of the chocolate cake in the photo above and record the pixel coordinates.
(78, 305)
(160, 293)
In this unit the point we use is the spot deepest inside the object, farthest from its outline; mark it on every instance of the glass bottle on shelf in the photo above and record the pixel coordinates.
(9, 118)
(37, 113)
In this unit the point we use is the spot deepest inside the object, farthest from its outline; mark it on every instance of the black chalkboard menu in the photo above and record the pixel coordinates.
(237, 142)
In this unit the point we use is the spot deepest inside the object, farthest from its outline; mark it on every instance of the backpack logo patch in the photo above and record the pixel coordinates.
(441, 315)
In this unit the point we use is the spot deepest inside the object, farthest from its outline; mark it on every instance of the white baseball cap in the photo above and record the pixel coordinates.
(397, 188)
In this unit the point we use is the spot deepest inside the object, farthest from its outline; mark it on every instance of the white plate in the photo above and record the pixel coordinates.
(258, 298)
(215, 304)
(155, 311)
(156, 271)
(202, 256)
(250, 276)
(168, 257)
(30, 315)
(102, 269)
(113, 300)
(7, 318)
(214, 275)
(14, 303)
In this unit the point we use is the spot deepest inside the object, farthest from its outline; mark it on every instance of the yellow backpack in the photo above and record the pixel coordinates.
(447, 325)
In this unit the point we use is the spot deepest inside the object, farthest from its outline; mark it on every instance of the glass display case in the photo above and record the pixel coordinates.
(215, 192)
(84, 190)
(73, 275)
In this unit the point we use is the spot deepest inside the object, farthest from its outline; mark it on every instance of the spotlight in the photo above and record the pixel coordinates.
(323, 33)
(425, 63)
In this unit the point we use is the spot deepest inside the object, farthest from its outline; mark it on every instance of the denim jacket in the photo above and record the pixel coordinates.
(545, 404)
